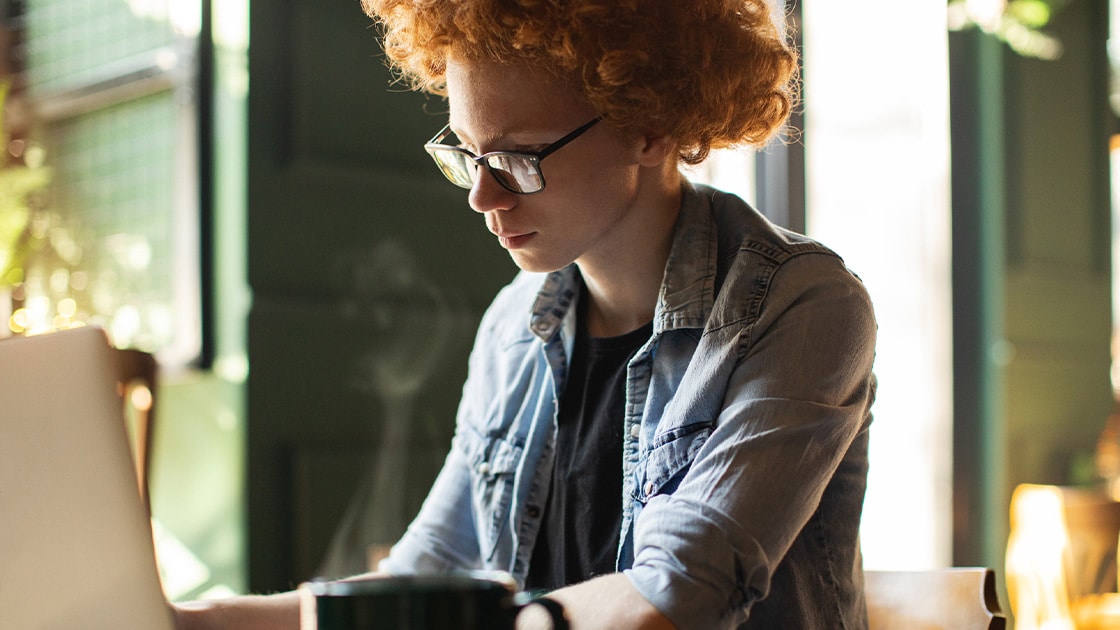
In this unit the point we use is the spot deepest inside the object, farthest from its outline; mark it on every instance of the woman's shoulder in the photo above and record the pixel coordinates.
(740, 226)
(759, 263)
(741, 235)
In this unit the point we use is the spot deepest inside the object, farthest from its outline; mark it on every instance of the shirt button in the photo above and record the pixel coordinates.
(483, 468)
(533, 511)
(635, 430)
(649, 488)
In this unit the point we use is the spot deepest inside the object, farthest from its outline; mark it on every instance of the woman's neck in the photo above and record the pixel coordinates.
(623, 285)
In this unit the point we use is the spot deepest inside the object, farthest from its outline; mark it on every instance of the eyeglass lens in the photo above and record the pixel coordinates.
(518, 173)
(456, 167)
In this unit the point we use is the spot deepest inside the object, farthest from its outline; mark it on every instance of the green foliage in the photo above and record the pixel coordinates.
(22, 179)
(1019, 23)
(1030, 13)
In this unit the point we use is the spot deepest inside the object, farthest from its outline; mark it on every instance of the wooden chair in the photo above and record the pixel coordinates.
(137, 374)
(940, 599)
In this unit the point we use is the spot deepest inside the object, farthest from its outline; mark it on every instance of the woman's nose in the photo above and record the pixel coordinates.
(487, 194)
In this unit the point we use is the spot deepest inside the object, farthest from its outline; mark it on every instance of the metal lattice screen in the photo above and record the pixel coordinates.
(109, 84)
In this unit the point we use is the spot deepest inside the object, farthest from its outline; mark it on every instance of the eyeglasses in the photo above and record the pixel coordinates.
(517, 171)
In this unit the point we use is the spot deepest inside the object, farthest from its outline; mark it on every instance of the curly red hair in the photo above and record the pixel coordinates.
(709, 73)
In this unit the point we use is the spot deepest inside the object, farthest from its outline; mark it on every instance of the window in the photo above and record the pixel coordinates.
(109, 86)
(877, 167)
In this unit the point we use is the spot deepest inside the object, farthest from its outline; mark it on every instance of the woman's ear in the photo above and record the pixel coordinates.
(656, 149)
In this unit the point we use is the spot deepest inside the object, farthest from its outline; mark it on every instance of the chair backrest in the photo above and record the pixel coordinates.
(137, 373)
(940, 599)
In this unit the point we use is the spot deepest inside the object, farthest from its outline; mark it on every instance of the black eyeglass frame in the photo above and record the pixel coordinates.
(533, 157)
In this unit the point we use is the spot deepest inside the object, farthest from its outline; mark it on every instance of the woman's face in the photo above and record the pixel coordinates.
(586, 210)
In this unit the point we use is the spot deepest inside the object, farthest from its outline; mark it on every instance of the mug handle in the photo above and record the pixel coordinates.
(553, 608)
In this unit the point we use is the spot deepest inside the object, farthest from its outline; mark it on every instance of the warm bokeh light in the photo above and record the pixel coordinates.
(140, 397)
(1038, 552)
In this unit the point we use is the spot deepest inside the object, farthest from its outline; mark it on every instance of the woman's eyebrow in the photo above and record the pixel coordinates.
(513, 137)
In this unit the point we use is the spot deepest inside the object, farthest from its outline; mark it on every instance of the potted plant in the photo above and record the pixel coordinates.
(1019, 23)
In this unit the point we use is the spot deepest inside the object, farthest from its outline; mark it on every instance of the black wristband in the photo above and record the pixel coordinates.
(555, 610)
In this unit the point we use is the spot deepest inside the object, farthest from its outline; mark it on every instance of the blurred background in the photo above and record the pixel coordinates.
(240, 189)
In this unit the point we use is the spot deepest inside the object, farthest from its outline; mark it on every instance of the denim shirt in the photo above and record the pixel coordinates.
(746, 431)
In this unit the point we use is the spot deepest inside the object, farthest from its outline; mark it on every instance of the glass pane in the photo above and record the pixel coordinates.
(114, 182)
(109, 87)
(70, 42)
(878, 193)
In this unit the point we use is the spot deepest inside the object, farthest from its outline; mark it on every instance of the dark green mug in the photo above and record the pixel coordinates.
(469, 601)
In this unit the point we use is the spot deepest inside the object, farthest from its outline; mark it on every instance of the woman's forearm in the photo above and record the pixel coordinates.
(250, 612)
(604, 603)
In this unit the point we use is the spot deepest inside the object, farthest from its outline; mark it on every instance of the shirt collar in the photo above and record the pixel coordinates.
(688, 287)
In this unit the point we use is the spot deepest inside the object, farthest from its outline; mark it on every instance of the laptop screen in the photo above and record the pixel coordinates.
(75, 540)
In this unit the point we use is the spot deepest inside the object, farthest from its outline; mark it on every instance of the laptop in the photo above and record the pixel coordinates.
(76, 545)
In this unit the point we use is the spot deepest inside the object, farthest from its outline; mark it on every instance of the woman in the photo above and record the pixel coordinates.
(665, 422)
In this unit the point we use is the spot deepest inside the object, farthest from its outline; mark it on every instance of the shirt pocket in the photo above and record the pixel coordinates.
(669, 458)
(494, 462)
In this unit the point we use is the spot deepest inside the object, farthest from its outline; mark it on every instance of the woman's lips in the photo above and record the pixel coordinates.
(515, 241)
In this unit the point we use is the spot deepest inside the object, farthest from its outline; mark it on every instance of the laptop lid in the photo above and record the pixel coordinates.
(76, 545)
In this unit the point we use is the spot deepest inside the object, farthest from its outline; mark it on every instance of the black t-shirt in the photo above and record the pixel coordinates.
(583, 514)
